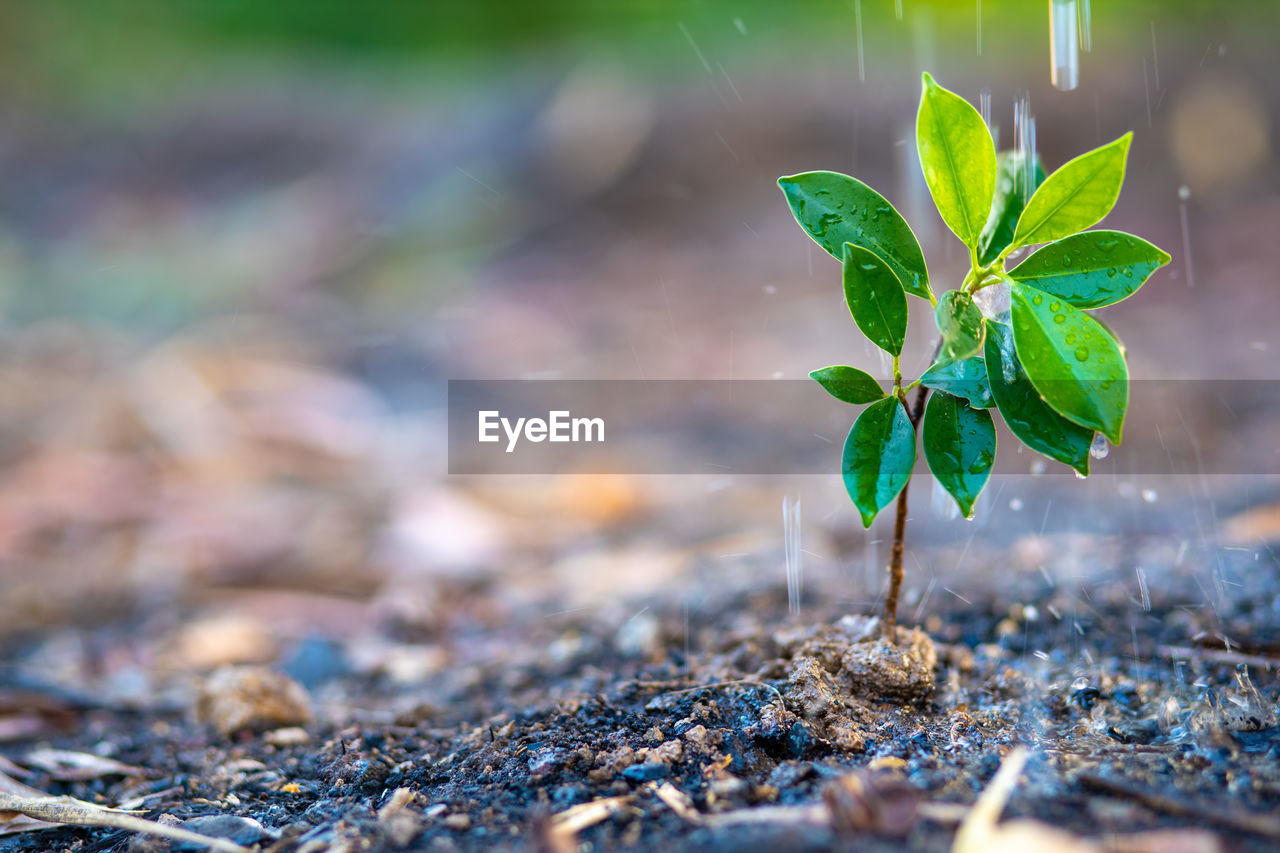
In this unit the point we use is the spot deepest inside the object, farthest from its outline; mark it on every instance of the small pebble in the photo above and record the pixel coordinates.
(647, 772)
(241, 830)
(288, 736)
(251, 698)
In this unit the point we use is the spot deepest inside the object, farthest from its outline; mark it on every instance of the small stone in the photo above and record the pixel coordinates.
(288, 736)
(251, 698)
(244, 831)
(456, 822)
(887, 762)
(546, 760)
(646, 772)
(701, 739)
(671, 752)
(654, 735)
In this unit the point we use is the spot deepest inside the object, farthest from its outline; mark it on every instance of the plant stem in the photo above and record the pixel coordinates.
(890, 620)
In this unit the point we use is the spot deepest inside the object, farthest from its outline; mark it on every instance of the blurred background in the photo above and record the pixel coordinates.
(243, 246)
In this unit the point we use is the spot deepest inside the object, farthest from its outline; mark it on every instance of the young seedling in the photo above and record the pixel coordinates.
(1016, 340)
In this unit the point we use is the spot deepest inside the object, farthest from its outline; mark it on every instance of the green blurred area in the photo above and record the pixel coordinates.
(164, 160)
(100, 44)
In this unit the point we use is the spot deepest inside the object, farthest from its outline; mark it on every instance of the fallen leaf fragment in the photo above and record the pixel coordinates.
(676, 800)
(24, 809)
(577, 818)
(883, 803)
(67, 766)
(980, 832)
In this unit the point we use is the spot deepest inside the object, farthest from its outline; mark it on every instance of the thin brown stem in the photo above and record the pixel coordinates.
(890, 620)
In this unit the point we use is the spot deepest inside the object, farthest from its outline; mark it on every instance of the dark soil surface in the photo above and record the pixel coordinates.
(1138, 718)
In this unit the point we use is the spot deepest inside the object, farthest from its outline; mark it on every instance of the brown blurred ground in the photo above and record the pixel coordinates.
(232, 308)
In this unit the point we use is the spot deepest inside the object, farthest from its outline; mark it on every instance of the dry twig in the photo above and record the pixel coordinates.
(18, 801)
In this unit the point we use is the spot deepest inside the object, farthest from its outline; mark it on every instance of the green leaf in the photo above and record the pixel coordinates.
(960, 446)
(1071, 360)
(1011, 197)
(1029, 417)
(958, 159)
(875, 298)
(965, 378)
(836, 209)
(878, 456)
(1076, 196)
(1091, 269)
(960, 323)
(848, 384)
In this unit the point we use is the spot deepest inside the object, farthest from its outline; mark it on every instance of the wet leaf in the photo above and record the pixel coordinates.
(1071, 360)
(960, 323)
(836, 209)
(878, 457)
(875, 298)
(1076, 196)
(1011, 197)
(1091, 269)
(1028, 416)
(965, 378)
(958, 159)
(848, 384)
(960, 446)
(67, 765)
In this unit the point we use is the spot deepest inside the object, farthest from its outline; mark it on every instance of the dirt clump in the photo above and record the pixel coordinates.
(854, 658)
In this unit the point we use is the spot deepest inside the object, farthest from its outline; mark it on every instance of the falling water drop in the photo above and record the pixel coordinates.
(1086, 28)
(1016, 504)
(857, 14)
(1150, 495)
(791, 551)
(979, 47)
(984, 106)
(1184, 196)
(1037, 467)
(1024, 141)
(1064, 52)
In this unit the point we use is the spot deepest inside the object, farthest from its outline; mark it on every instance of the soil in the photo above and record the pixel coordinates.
(750, 712)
